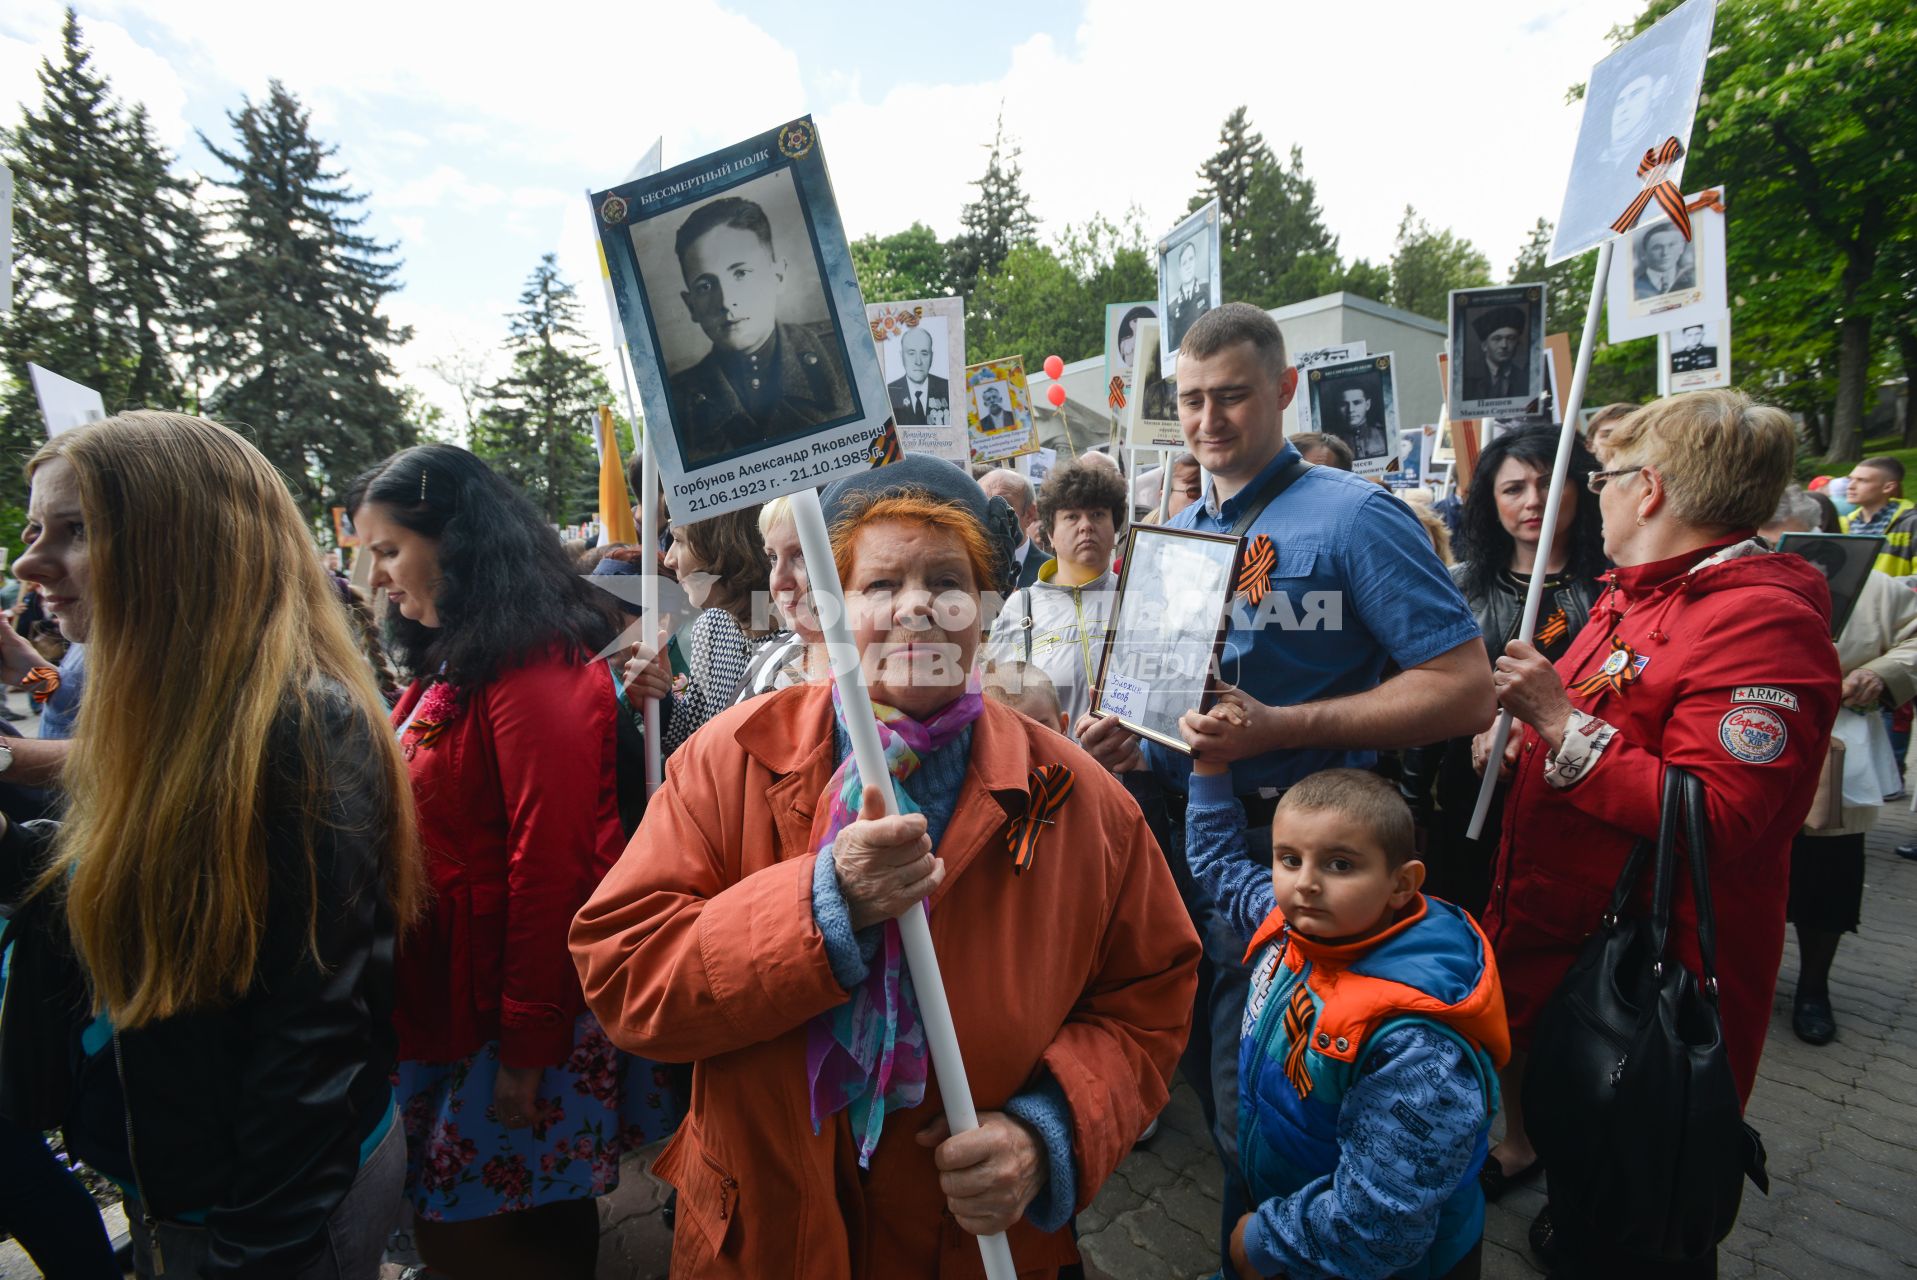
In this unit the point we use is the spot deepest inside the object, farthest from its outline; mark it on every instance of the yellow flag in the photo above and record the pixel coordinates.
(615, 504)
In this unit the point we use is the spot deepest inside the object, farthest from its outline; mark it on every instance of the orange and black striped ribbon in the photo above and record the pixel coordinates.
(1116, 395)
(1300, 1013)
(886, 449)
(1601, 679)
(1712, 200)
(1656, 163)
(1050, 785)
(42, 683)
(1553, 631)
(1254, 579)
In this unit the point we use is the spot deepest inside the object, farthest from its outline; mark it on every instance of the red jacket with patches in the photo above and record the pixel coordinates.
(1738, 684)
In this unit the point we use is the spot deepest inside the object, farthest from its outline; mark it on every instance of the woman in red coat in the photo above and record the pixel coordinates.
(516, 1106)
(1707, 651)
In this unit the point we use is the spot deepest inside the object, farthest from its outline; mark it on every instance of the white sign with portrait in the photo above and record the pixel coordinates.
(1660, 281)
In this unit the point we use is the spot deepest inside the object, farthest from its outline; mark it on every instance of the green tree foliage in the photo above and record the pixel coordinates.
(1427, 264)
(1044, 300)
(109, 254)
(1276, 249)
(1626, 371)
(535, 426)
(295, 340)
(996, 223)
(905, 265)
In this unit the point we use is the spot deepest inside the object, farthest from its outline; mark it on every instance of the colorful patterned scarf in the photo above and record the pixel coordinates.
(869, 1054)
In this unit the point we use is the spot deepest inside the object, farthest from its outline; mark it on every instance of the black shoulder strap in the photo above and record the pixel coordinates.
(1025, 601)
(1267, 495)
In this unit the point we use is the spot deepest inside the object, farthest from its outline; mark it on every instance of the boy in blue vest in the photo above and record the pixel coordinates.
(1371, 1040)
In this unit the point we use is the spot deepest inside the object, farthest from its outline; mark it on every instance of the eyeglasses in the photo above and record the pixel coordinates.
(1596, 481)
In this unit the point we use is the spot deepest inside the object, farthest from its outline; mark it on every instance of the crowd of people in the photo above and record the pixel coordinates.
(311, 923)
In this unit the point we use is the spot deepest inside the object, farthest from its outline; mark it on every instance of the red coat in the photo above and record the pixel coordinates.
(701, 946)
(1738, 685)
(519, 817)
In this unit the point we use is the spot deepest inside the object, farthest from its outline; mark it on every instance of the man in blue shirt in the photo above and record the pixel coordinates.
(1354, 587)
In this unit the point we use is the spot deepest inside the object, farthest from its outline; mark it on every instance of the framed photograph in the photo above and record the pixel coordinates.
(1151, 420)
(344, 535)
(1497, 336)
(1660, 281)
(1844, 559)
(1122, 345)
(1311, 359)
(1188, 279)
(1167, 629)
(1038, 464)
(1635, 99)
(1414, 464)
(1696, 357)
(922, 353)
(1357, 400)
(998, 408)
(741, 310)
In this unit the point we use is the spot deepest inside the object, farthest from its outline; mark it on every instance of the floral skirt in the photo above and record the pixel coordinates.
(462, 1164)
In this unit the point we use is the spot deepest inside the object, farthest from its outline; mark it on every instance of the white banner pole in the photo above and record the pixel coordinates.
(649, 599)
(941, 1034)
(1534, 594)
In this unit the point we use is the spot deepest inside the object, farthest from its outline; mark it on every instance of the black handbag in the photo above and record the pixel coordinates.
(1628, 1095)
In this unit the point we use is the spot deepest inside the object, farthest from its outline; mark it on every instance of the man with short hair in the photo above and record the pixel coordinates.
(1353, 586)
(1352, 420)
(994, 413)
(1660, 263)
(1693, 355)
(764, 378)
(1500, 368)
(1876, 488)
(1017, 492)
(919, 397)
(1184, 307)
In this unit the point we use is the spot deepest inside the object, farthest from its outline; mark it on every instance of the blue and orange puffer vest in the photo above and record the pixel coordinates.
(1312, 1010)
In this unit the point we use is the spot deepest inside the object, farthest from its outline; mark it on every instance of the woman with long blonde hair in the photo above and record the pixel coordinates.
(202, 982)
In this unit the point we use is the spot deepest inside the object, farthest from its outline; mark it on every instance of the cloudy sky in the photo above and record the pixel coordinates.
(475, 129)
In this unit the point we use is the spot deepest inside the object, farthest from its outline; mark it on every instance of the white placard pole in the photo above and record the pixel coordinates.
(1534, 594)
(649, 600)
(941, 1035)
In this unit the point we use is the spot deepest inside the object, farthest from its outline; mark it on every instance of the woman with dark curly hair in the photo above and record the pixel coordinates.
(516, 1106)
(1497, 548)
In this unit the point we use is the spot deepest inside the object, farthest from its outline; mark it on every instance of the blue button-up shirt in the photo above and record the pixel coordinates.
(1356, 585)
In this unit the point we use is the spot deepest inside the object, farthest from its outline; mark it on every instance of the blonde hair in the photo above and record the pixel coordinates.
(1725, 459)
(773, 514)
(212, 620)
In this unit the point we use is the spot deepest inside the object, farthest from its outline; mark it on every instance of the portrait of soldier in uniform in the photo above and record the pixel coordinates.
(1192, 297)
(919, 396)
(1500, 368)
(1357, 418)
(1692, 352)
(765, 377)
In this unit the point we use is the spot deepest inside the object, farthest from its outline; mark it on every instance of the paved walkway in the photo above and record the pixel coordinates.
(1840, 1124)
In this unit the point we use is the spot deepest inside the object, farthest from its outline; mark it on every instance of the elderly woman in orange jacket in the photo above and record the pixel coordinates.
(749, 928)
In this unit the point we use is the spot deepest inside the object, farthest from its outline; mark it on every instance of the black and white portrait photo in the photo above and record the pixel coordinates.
(922, 348)
(1635, 99)
(1167, 625)
(1497, 339)
(1356, 400)
(738, 302)
(919, 396)
(1697, 356)
(1663, 263)
(993, 404)
(1188, 278)
(1152, 414)
(753, 353)
(1121, 338)
(1660, 281)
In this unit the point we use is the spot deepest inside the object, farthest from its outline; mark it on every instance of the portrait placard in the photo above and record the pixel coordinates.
(1151, 420)
(1639, 96)
(1497, 336)
(344, 535)
(998, 408)
(1122, 345)
(1413, 465)
(1167, 629)
(1189, 283)
(742, 314)
(1310, 359)
(1696, 357)
(1845, 560)
(922, 352)
(1357, 401)
(1660, 281)
(1038, 464)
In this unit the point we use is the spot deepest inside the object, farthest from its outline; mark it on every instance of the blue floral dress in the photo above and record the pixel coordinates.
(463, 1164)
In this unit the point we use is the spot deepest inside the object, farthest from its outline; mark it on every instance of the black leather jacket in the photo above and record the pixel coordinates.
(252, 1113)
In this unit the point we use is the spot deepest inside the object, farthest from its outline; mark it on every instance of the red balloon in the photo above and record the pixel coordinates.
(1056, 394)
(1054, 368)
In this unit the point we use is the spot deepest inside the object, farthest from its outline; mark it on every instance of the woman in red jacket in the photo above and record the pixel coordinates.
(1707, 651)
(517, 1108)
